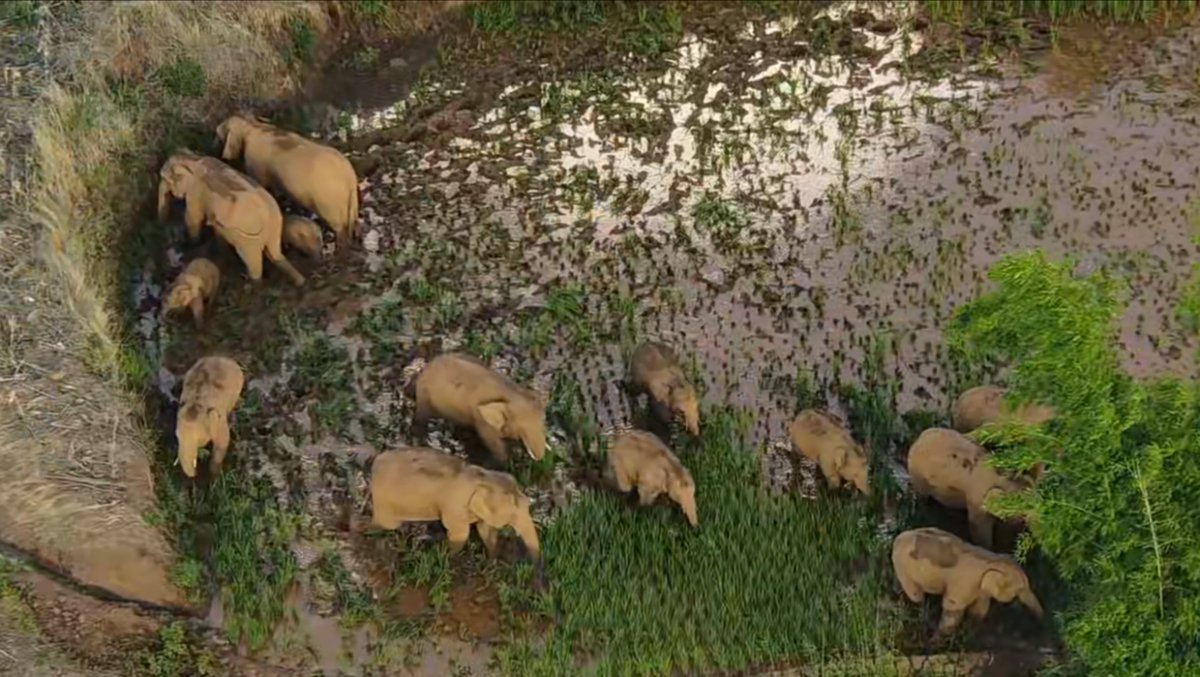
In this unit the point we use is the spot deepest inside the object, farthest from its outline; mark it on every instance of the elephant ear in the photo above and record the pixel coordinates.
(484, 503)
(494, 414)
(839, 457)
(996, 584)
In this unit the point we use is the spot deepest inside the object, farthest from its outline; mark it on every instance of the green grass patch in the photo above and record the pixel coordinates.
(252, 556)
(1056, 10)
(178, 653)
(351, 601)
(643, 28)
(763, 579)
(183, 77)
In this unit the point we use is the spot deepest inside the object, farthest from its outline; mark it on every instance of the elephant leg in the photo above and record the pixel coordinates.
(624, 484)
(457, 533)
(981, 523)
(647, 495)
(252, 257)
(910, 588)
(217, 459)
(421, 415)
(489, 536)
(950, 620)
(831, 475)
(493, 441)
(979, 608)
(275, 253)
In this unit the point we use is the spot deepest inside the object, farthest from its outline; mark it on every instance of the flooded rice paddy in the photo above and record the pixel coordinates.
(781, 215)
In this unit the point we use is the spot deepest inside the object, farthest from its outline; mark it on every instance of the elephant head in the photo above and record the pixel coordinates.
(680, 398)
(854, 466)
(231, 134)
(518, 418)
(175, 179)
(682, 489)
(181, 295)
(196, 427)
(1006, 581)
(498, 502)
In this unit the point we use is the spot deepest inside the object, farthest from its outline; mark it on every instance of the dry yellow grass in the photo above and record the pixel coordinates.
(75, 459)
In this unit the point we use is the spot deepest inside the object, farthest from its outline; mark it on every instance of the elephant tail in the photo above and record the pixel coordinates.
(352, 211)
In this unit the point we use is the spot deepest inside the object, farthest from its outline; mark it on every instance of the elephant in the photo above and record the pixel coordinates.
(303, 235)
(463, 390)
(419, 484)
(242, 213)
(194, 287)
(948, 466)
(211, 390)
(984, 404)
(640, 459)
(655, 371)
(317, 177)
(930, 561)
(819, 437)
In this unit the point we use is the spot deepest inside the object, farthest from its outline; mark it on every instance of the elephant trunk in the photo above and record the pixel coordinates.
(164, 200)
(528, 533)
(535, 443)
(1031, 602)
(188, 452)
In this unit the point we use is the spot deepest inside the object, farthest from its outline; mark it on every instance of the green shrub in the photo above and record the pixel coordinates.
(1119, 511)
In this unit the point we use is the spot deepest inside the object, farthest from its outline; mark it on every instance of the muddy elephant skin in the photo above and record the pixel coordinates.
(211, 389)
(317, 177)
(655, 371)
(239, 210)
(930, 561)
(819, 437)
(303, 235)
(947, 466)
(417, 484)
(195, 287)
(641, 460)
(463, 390)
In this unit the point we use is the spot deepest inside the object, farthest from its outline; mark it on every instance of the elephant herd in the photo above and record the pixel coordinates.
(946, 465)
(422, 484)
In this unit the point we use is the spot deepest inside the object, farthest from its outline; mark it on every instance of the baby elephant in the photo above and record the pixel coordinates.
(419, 484)
(639, 459)
(211, 389)
(655, 371)
(818, 437)
(984, 404)
(463, 390)
(196, 285)
(303, 235)
(951, 468)
(930, 561)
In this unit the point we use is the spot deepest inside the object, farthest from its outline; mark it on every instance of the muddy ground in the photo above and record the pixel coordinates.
(792, 203)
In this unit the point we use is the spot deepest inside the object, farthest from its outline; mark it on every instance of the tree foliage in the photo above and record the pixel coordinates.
(1118, 511)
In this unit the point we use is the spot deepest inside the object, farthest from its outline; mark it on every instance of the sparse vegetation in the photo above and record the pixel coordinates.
(178, 654)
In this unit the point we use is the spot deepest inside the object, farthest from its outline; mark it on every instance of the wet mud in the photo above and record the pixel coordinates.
(771, 211)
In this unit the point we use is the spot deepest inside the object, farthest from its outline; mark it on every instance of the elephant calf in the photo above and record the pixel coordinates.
(640, 459)
(984, 404)
(818, 437)
(948, 466)
(196, 285)
(463, 390)
(420, 485)
(317, 177)
(930, 561)
(655, 371)
(211, 389)
(304, 235)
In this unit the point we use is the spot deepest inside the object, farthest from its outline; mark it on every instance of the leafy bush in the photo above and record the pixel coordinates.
(1119, 510)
